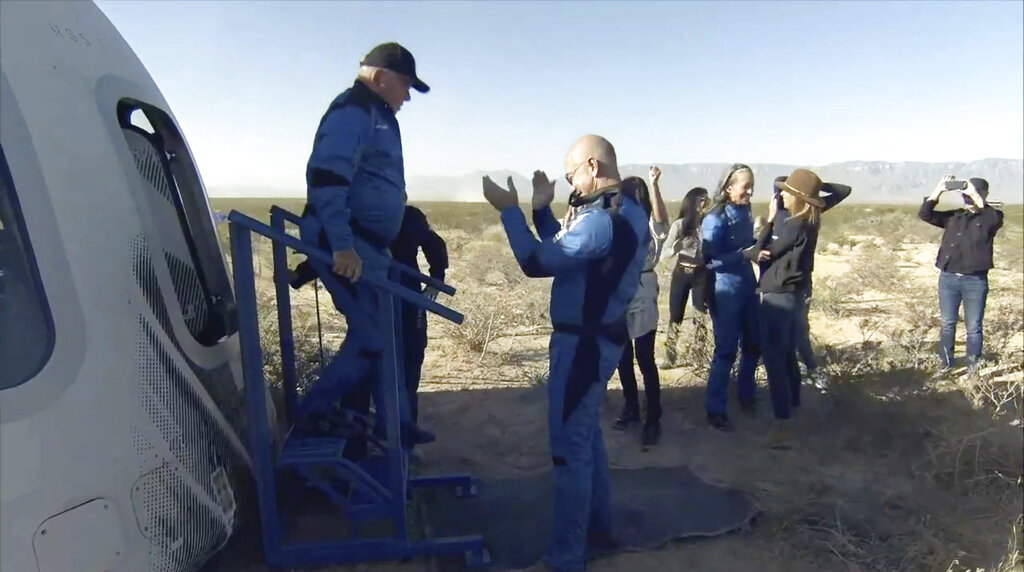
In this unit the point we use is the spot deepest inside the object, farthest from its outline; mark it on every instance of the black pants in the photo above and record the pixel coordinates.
(686, 283)
(414, 345)
(780, 318)
(652, 385)
(803, 332)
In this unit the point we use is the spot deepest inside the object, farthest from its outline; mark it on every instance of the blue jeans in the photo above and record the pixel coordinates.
(579, 373)
(972, 290)
(780, 319)
(734, 317)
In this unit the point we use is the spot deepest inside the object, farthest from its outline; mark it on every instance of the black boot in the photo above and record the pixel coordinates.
(629, 416)
(651, 434)
(721, 422)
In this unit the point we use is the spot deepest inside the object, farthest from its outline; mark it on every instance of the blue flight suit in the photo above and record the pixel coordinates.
(733, 302)
(355, 199)
(596, 263)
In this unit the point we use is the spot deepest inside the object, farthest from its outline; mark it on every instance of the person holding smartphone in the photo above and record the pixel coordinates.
(964, 258)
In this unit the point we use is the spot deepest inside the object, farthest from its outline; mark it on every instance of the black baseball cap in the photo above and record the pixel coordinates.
(394, 57)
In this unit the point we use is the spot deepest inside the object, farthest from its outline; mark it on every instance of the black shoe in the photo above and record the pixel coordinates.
(419, 436)
(721, 422)
(411, 436)
(748, 407)
(626, 418)
(651, 434)
(302, 274)
(601, 541)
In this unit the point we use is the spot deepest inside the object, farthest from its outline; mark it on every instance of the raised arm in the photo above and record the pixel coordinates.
(927, 213)
(658, 211)
(587, 237)
(833, 194)
(543, 193)
(545, 222)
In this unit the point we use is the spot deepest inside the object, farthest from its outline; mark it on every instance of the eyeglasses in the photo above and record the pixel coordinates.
(571, 174)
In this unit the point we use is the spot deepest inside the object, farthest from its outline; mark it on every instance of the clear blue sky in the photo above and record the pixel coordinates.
(514, 83)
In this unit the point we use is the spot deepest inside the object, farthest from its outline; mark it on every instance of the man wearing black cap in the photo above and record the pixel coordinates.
(354, 203)
(965, 256)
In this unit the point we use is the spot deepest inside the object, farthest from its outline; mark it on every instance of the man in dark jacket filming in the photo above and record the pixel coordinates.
(964, 259)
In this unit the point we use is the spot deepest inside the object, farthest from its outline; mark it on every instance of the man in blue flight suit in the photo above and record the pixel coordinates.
(355, 199)
(728, 246)
(595, 261)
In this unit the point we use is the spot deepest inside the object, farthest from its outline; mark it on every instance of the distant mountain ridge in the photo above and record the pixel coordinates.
(872, 181)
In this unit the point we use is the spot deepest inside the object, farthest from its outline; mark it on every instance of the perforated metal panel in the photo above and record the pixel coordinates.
(179, 505)
(183, 533)
(184, 505)
(190, 293)
(170, 220)
(219, 382)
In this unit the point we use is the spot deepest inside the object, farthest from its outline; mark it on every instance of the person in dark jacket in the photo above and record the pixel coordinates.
(414, 235)
(354, 205)
(831, 195)
(964, 258)
(786, 252)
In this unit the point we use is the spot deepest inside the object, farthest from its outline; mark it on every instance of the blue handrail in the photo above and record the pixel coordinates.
(423, 278)
(326, 258)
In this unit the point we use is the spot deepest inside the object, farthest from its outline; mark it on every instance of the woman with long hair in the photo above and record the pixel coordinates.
(642, 319)
(785, 273)
(831, 195)
(787, 263)
(683, 247)
(729, 248)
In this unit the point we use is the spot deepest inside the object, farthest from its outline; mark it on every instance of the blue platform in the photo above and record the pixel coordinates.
(287, 468)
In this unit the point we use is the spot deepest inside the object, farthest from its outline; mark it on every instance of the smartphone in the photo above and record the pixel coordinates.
(956, 185)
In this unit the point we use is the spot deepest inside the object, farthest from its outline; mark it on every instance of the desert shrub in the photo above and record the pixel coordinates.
(492, 313)
(697, 347)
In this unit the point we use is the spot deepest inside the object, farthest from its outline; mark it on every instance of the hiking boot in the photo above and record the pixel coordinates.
(651, 434)
(721, 422)
(779, 437)
(628, 417)
(748, 407)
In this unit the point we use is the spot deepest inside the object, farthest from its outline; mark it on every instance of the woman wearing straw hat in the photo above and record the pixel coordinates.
(785, 274)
